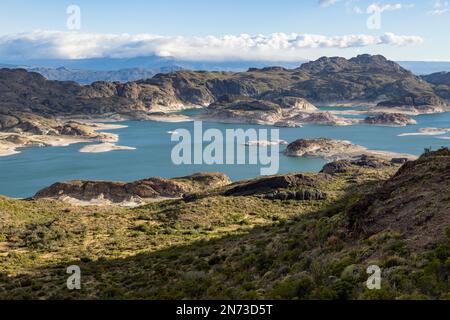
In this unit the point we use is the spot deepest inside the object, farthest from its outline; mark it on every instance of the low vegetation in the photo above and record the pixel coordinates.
(218, 245)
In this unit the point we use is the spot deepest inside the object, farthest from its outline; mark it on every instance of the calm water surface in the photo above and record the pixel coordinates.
(23, 174)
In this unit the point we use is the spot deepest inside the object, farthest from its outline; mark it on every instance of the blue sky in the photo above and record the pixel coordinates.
(428, 20)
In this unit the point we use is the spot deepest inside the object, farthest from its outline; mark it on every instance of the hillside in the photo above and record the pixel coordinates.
(304, 236)
(364, 79)
(440, 82)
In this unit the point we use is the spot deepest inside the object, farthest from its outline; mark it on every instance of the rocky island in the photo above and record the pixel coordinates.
(390, 119)
(25, 130)
(294, 114)
(335, 150)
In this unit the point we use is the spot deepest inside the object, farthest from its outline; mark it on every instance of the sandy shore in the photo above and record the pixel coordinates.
(171, 118)
(265, 143)
(6, 151)
(104, 147)
(388, 155)
(406, 111)
(106, 126)
(427, 132)
(10, 142)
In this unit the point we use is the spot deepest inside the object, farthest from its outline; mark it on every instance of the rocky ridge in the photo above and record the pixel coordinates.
(440, 82)
(133, 193)
(364, 79)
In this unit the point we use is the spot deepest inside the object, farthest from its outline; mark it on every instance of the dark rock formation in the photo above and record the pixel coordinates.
(335, 167)
(362, 161)
(299, 195)
(270, 184)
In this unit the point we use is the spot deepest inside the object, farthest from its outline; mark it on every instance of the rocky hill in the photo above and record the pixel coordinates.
(296, 236)
(364, 79)
(440, 82)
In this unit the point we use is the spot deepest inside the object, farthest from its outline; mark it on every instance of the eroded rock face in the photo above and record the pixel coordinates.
(118, 192)
(390, 119)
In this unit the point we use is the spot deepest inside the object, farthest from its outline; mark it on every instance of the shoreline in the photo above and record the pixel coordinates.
(108, 122)
(104, 147)
(10, 142)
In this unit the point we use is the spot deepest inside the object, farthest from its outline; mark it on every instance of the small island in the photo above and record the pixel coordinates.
(334, 150)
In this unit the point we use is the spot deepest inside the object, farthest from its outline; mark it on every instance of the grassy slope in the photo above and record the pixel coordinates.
(214, 247)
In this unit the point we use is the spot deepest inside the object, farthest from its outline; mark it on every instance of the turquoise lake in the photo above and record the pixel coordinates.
(22, 175)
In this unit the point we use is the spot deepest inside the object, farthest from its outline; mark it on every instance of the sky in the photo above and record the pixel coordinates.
(287, 30)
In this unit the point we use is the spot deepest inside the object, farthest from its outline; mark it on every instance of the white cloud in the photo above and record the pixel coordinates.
(439, 7)
(276, 46)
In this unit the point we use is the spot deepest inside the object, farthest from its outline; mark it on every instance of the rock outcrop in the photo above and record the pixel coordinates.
(252, 111)
(335, 150)
(390, 119)
(297, 187)
(133, 193)
(363, 161)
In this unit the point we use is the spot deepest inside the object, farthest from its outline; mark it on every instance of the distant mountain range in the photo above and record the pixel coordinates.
(87, 71)
(151, 62)
(90, 76)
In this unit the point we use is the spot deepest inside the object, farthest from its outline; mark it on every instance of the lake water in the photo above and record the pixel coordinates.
(22, 175)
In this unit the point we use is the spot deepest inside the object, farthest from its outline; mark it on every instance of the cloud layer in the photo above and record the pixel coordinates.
(277, 46)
